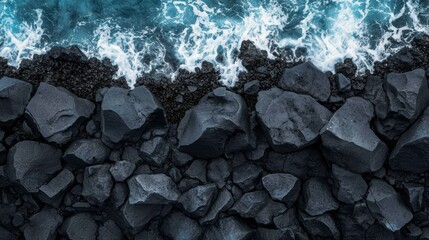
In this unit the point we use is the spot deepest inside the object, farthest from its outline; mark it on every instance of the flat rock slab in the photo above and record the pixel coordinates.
(290, 121)
(348, 141)
(14, 97)
(152, 189)
(56, 114)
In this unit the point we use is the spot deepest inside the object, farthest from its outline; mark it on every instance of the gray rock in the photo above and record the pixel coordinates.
(289, 220)
(97, 184)
(230, 228)
(179, 158)
(282, 187)
(414, 195)
(53, 192)
(306, 79)
(175, 174)
(217, 124)
(86, 152)
(290, 121)
(43, 225)
(251, 88)
(177, 226)
(387, 206)
(374, 92)
(32, 164)
(155, 151)
(218, 172)
(377, 231)
(118, 195)
(126, 114)
(197, 201)
(121, 170)
(131, 154)
(343, 84)
(348, 141)
(152, 189)
(411, 152)
(320, 226)
(270, 210)
(362, 215)
(348, 187)
(110, 231)
(251, 203)
(198, 170)
(56, 114)
(317, 197)
(407, 97)
(80, 227)
(246, 176)
(223, 202)
(14, 97)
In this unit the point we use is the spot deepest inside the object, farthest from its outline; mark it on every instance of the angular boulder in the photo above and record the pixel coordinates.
(282, 187)
(219, 123)
(56, 114)
(126, 114)
(14, 97)
(348, 141)
(97, 184)
(306, 79)
(348, 187)
(86, 152)
(152, 189)
(290, 121)
(197, 201)
(317, 197)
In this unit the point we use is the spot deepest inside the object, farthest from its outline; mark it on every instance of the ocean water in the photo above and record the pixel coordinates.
(157, 37)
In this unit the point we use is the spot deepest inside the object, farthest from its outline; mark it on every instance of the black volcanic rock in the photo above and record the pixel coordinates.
(86, 152)
(320, 226)
(282, 187)
(110, 231)
(43, 225)
(80, 226)
(53, 192)
(411, 152)
(121, 170)
(218, 171)
(223, 202)
(348, 187)
(228, 228)
(317, 197)
(290, 121)
(178, 226)
(414, 194)
(126, 114)
(251, 203)
(97, 184)
(155, 151)
(347, 140)
(152, 189)
(32, 164)
(246, 176)
(407, 97)
(14, 97)
(218, 123)
(56, 114)
(197, 201)
(306, 79)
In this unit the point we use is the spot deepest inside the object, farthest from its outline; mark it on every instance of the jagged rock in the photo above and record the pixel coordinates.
(110, 231)
(411, 152)
(32, 164)
(86, 152)
(197, 201)
(97, 183)
(306, 79)
(218, 121)
(222, 203)
(251, 203)
(251, 88)
(56, 114)
(414, 195)
(14, 97)
(290, 121)
(362, 215)
(218, 172)
(179, 158)
(343, 84)
(118, 195)
(407, 97)
(43, 225)
(282, 187)
(289, 220)
(175, 174)
(374, 92)
(132, 155)
(155, 151)
(122, 170)
(348, 141)
(80, 226)
(126, 114)
(228, 228)
(152, 189)
(270, 210)
(348, 187)
(246, 176)
(387, 206)
(198, 170)
(185, 184)
(317, 197)
(177, 226)
(53, 192)
(320, 226)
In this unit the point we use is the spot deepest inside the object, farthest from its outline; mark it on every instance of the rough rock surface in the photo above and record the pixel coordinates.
(348, 187)
(14, 97)
(317, 197)
(152, 189)
(196, 201)
(43, 225)
(177, 226)
(282, 187)
(52, 192)
(86, 152)
(97, 183)
(155, 151)
(80, 226)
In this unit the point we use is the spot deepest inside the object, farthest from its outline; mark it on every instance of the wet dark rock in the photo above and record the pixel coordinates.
(197, 201)
(223, 202)
(56, 114)
(348, 67)
(411, 152)
(290, 121)
(155, 151)
(152, 189)
(69, 54)
(246, 176)
(320, 226)
(32, 164)
(97, 184)
(86, 152)
(387, 206)
(177, 226)
(306, 79)
(317, 197)
(348, 187)
(407, 97)
(80, 226)
(53, 192)
(43, 225)
(121, 170)
(14, 97)
(414, 195)
(251, 88)
(347, 140)
(110, 231)
(228, 228)
(218, 171)
(282, 187)
(198, 170)
(218, 124)
(126, 114)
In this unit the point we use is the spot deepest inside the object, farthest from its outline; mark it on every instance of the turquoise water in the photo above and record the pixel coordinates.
(159, 36)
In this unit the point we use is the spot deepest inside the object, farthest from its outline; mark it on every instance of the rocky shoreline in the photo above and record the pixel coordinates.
(289, 153)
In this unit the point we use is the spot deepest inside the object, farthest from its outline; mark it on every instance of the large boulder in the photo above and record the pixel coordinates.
(32, 164)
(407, 97)
(306, 79)
(152, 189)
(348, 141)
(219, 123)
(411, 152)
(126, 114)
(85, 152)
(56, 114)
(14, 97)
(290, 121)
